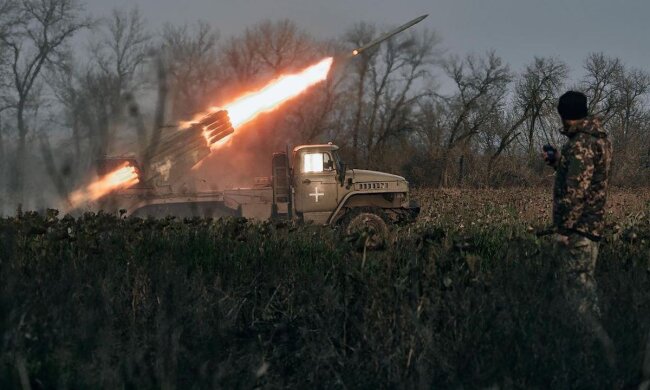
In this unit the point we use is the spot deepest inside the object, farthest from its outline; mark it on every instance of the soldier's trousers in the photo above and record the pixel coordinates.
(579, 261)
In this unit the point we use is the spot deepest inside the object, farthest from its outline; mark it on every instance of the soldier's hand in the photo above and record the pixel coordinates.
(549, 154)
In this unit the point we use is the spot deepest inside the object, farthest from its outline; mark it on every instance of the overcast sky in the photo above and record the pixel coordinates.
(516, 29)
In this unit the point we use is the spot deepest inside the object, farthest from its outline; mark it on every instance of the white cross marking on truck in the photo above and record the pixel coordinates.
(316, 194)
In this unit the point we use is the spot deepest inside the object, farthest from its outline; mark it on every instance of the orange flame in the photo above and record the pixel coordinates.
(123, 177)
(249, 106)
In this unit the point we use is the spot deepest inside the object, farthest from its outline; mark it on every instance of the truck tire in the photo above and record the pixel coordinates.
(366, 228)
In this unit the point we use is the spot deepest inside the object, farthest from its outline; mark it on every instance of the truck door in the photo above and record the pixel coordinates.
(316, 185)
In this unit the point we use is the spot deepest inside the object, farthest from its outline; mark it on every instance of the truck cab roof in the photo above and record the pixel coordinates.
(323, 147)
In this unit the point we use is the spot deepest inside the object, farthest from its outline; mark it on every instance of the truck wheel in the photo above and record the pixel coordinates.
(367, 228)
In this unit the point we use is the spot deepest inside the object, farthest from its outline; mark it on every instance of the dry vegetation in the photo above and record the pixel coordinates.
(515, 205)
(466, 297)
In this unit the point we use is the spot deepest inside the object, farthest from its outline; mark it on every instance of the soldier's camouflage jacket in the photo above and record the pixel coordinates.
(582, 175)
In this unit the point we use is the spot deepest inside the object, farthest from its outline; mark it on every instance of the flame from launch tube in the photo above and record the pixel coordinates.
(270, 97)
(123, 177)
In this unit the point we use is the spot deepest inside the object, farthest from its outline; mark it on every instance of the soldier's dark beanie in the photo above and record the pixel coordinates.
(572, 105)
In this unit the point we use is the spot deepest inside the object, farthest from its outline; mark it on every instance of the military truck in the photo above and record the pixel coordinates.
(311, 183)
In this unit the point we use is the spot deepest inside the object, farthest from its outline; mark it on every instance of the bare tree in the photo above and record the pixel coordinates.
(618, 95)
(385, 85)
(536, 92)
(8, 21)
(123, 46)
(599, 84)
(63, 81)
(44, 29)
(503, 131)
(121, 50)
(628, 125)
(95, 96)
(393, 89)
(358, 36)
(431, 124)
(268, 47)
(632, 88)
(191, 59)
(481, 84)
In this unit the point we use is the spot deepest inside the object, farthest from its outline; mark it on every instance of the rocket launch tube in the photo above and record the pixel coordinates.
(220, 135)
(192, 138)
(182, 157)
(178, 137)
(217, 127)
(213, 117)
(180, 140)
(173, 147)
(189, 144)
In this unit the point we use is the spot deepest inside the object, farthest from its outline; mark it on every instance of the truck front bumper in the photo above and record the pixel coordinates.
(407, 213)
(413, 209)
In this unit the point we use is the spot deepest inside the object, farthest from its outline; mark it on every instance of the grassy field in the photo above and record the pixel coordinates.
(467, 297)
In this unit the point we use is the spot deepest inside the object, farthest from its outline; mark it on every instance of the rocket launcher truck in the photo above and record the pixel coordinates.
(310, 183)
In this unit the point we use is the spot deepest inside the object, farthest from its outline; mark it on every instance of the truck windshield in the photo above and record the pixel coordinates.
(317, 162)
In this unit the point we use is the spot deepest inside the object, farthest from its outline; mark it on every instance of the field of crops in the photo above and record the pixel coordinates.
(467, 297)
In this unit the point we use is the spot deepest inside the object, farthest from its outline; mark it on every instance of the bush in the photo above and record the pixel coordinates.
(100, 301)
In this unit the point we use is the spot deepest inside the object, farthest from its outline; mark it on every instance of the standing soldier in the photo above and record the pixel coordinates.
(579, 195)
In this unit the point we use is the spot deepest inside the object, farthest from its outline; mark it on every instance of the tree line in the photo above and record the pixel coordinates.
(74, 88)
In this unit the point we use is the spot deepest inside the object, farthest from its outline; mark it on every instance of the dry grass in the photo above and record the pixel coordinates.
(515, 205)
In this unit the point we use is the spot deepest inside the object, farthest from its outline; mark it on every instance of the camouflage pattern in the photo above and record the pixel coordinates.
(582, 173)
(579, 262)
(580, 267)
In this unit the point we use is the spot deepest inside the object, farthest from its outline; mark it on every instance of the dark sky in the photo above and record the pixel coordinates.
(516, 29)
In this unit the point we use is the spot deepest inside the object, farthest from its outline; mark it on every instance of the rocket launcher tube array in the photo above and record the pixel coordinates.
(181, 150)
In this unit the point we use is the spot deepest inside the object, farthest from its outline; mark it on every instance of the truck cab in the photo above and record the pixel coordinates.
(316, 186)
